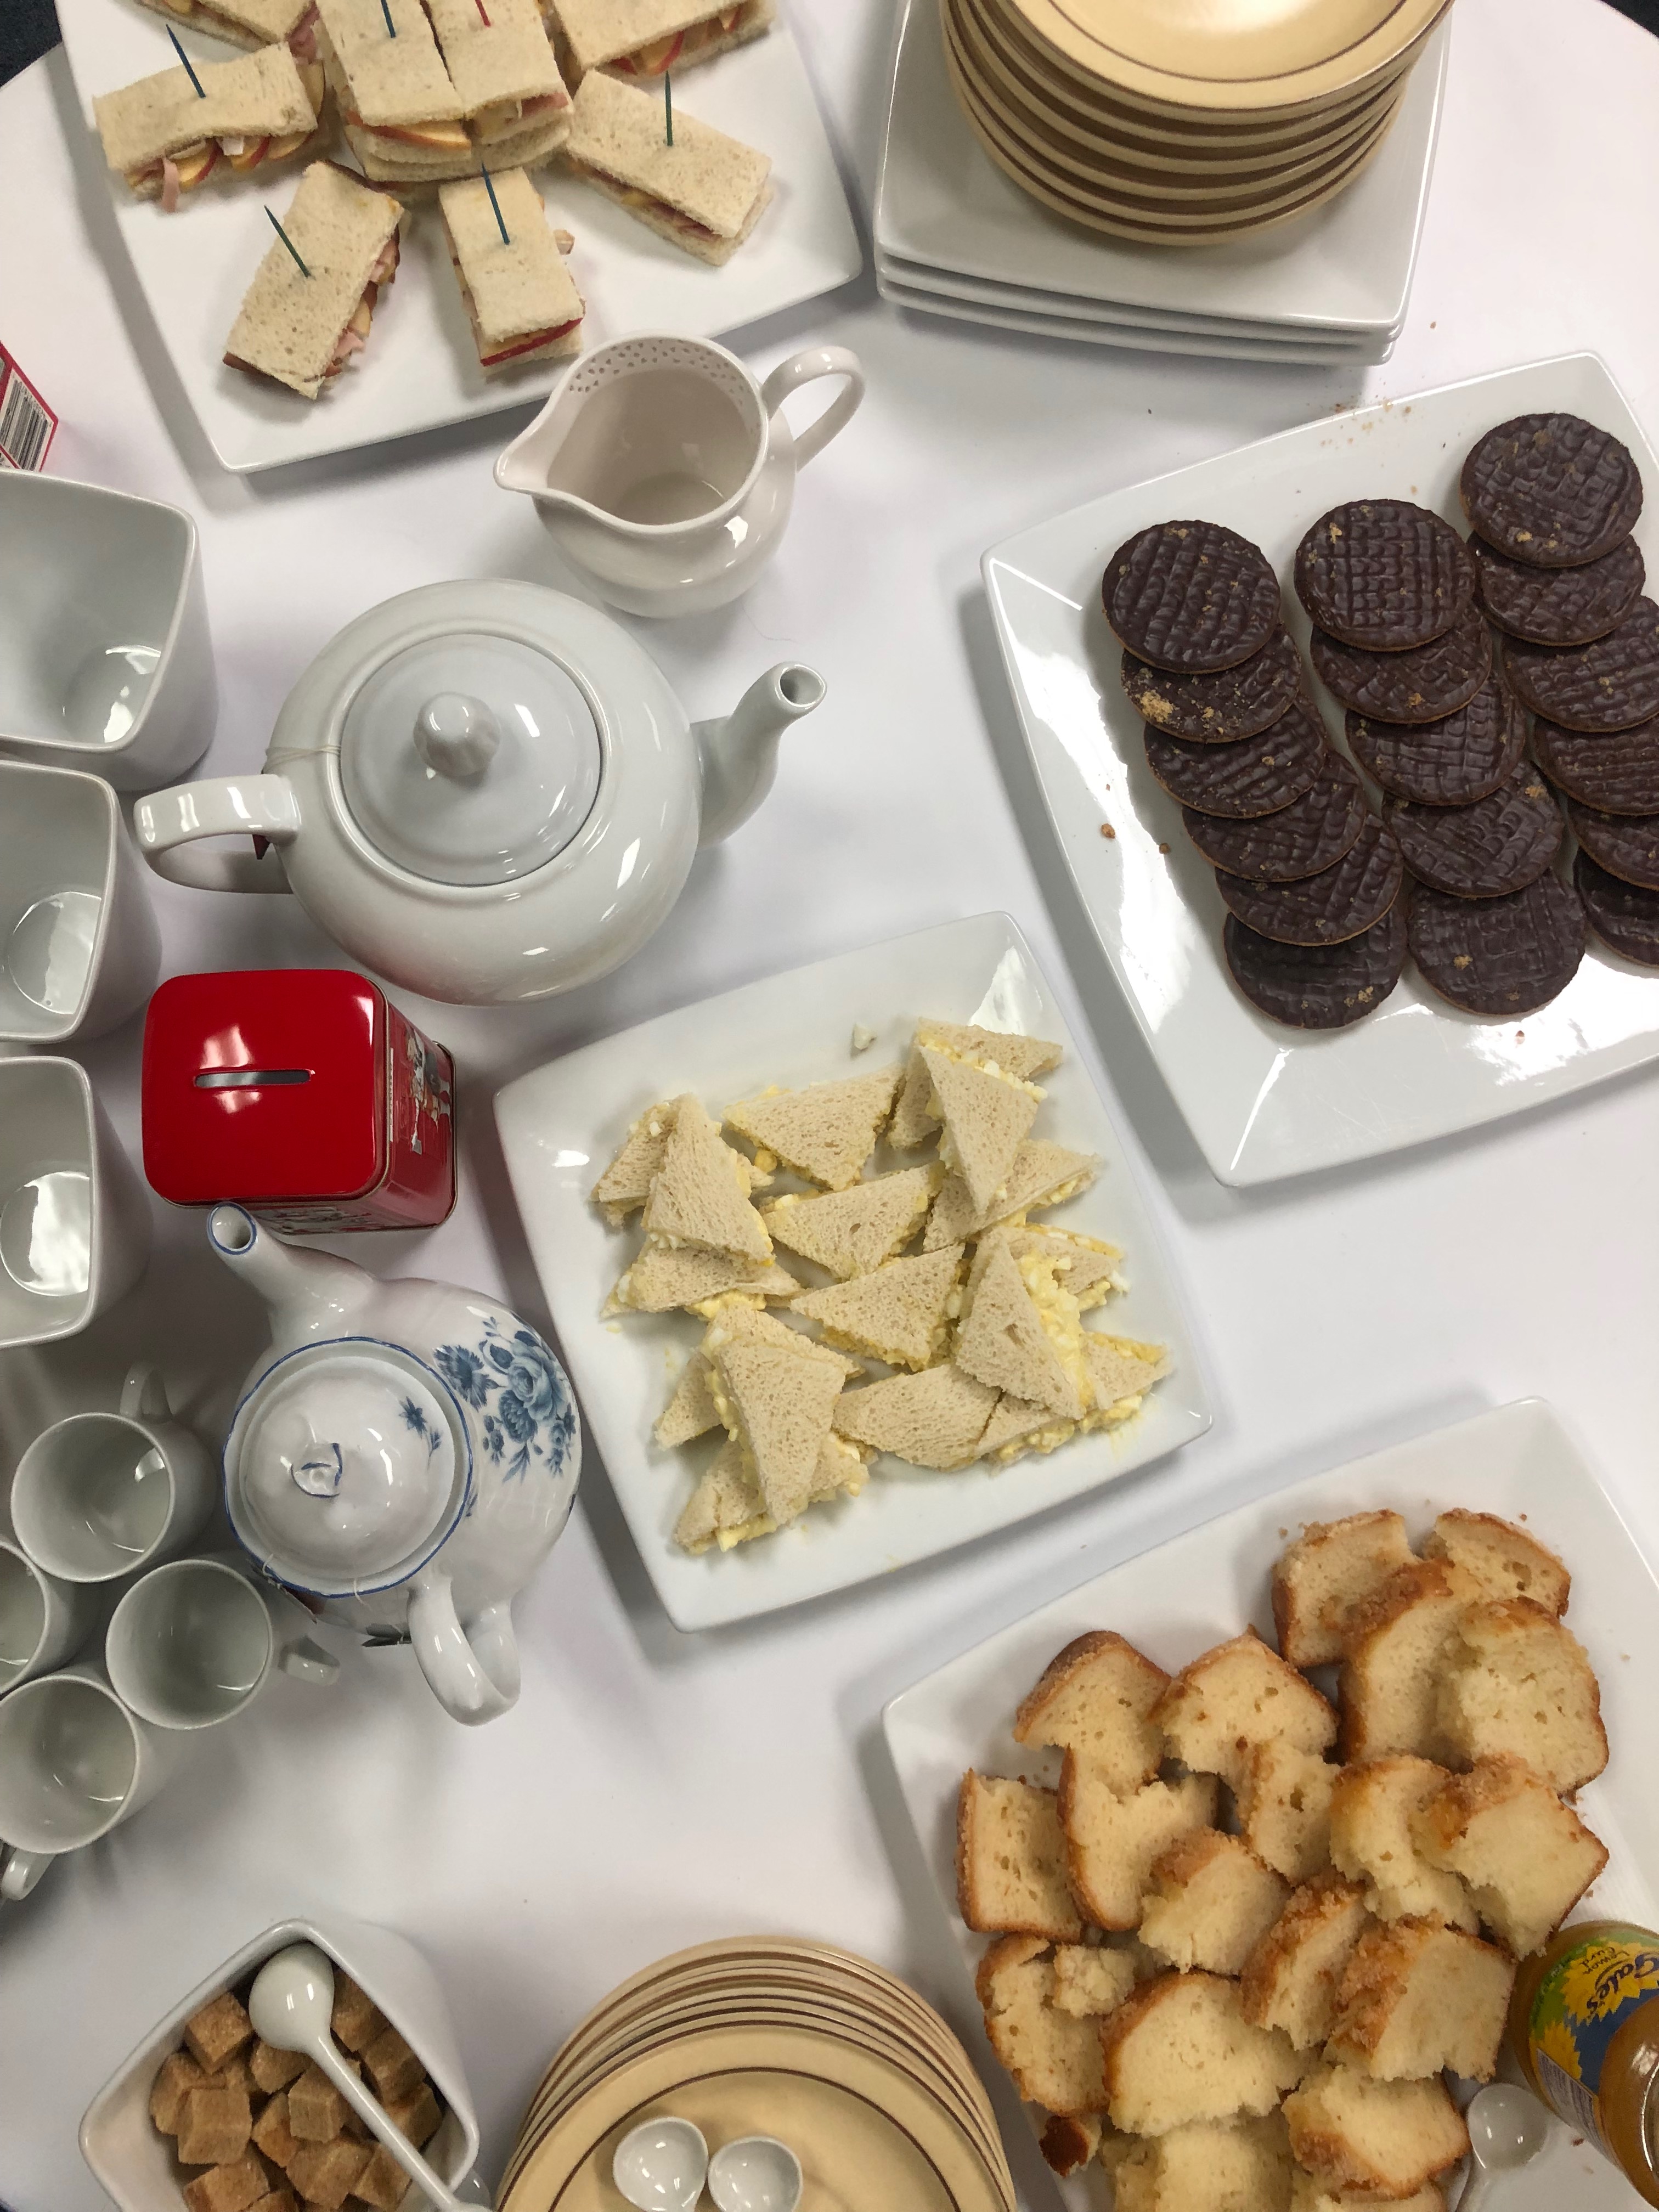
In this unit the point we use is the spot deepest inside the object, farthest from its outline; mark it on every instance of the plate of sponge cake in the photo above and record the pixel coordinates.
(1243, 1843)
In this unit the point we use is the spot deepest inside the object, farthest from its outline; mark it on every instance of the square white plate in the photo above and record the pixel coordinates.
(1262, 1100)
(420, 368)
(561, 1124)
(1096, 330)
(1175, 1601)
(1347, 265)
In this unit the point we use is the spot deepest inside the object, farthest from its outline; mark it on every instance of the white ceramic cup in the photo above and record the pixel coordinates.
(193, 1642)
(79, 947)
(74, 1763)
(75, 1221)
(98, 1496)
(43, 1619)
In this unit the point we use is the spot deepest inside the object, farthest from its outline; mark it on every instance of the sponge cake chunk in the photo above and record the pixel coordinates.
(1112, 1843)
(1234, 1697)
(1525, 1857)
(1180, 2051)
(1416, 1999)
(1053, 2056)
(1518, 1681)
(1011, 1861)
(1212, 1901)
(1284, 1808)
(1371, 1811)
(1212, 2167)
(1291, 1979)
(1095, 1697)
(1397, 1644)
(1504, 1559)
(1323, 1579)
(1377, 2138)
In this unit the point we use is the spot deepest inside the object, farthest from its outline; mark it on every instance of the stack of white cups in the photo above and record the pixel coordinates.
(99, 1499)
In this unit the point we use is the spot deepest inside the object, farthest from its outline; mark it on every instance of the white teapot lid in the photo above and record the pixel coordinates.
(345, 1472)
(470, 758)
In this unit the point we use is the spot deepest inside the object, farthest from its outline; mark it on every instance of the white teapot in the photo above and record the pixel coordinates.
(487, 793)
(403, 1457)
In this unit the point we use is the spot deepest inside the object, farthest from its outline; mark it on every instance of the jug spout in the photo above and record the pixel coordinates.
(739, 755)
(309, 1293)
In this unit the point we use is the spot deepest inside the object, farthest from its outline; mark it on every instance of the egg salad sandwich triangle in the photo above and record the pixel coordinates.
(901, 1313)
(300, 325)
(1043, 1174)
(726, 1507)
(648, 38)
(935, 1419)
(700, 1195)
(703, 193)
(856, 1230)
(1020, 1333)
(692, 1412)
(777, 1403)
(1120, 1371)
(626, 1182)
(666, 1276)
(1086, 1266)
(825, 1133)
(986, 1119)
(246, 22)
(521, 299)
(1006, 1051)
(165, 138)
(503, 67)
(404, 119)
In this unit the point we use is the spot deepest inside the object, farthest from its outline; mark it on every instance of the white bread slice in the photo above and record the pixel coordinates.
(856, 1230)
(1284, 1798)
(827, 1131)
(1181, 2051)
(1525, 1857)
(1291, 1977)
(777, 1402)
(986, 1118)
(1516, 1680)
(934, 1419)
(626, 1183)
(1007, 1340)
(1212, 1901)
(1011, 1862)
(1417, 1999)
(248, 23)
(1309, 2194)
(1054, 2057)
(1112, 1842)
(383, 81)
(257, 95)
(1506, 1561)
(1398, 1640)
(700, 1195)
(640, 37)
(1210, 2165)
(1234, 1697)
(1017, 1427)
(728, 1509)
(665, 1276)
(289, 324)
(692, 1412)
(1120, 1370)
(1095, 1697)
(497, 65)
(1007, 1050)
(1085, 1266)
(1043, 1174)
(1371, 1810)
(705, 192)
(521, 299)
(1091, 1980)
(1385, 2139)
(900, 1314)
(1322, 1579)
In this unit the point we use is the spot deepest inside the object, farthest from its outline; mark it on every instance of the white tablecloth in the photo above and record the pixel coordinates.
(651, 1790)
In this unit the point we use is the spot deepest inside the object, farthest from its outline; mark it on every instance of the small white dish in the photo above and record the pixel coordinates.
(661, 2166)
(105, 662)
(135, 2165)
(1176, 1601)
(1347, 266)
(756, 2173)
(560, 1124)
(422, 369)
(75, 1221)
(1264, 1101)
(79, 947)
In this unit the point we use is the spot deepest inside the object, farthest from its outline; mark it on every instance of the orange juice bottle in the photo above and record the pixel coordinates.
(1585, 2027)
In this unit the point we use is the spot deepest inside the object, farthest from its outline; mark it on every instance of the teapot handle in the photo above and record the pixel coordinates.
(473, 1683)
(805, 369)
(223, 806)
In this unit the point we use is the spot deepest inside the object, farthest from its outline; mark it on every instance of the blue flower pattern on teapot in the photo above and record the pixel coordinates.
(515, 1383)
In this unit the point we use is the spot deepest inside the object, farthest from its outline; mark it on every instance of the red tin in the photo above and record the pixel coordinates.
(302, 1094)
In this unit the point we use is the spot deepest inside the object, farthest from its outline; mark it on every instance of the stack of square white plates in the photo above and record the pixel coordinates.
(955, 235)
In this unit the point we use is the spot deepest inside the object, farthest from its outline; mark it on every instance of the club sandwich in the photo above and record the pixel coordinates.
(404, 118)
(249, 22)
(520, 298)
(167, 137)
(705, 193)
(648, 38)
(300, 326)
(500, 63)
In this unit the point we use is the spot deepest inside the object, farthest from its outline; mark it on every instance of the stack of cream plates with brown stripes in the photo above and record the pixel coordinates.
(765, 2036)
(1183, 122)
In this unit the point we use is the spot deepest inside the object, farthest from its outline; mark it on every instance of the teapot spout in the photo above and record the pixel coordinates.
(739, 755)
(309, 1293)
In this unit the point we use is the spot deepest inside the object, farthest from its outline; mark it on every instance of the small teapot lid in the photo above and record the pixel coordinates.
(470, 758)
(344, 1472)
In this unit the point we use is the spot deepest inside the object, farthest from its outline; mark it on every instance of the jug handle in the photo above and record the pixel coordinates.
(223, 806)
(805, 369)
(473, 1686)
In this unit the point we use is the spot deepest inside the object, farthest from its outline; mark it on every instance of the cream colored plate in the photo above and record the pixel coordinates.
(1233, 55)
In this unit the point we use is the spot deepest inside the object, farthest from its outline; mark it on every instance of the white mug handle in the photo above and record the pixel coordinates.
(804, 368)
(143, 1393)
(20, 1870)
(223, 806)
(471, 1684)
(308, 1662)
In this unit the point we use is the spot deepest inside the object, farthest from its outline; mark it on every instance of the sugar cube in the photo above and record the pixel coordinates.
(392, 2067)
(228, 2188)
(316, 2110)
(178, 2075)
(356, 2020)
(273, 2069)
(213, 2127)
(272, 2134)
(382, 2182)
(418, 2114)
(324, 2173)
(219, 2028)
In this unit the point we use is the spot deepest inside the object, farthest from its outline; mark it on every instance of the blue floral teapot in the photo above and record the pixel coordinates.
(403, 1457)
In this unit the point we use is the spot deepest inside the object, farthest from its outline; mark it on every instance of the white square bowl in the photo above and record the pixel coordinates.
(73, 1218)
(101, 593)
(561, 1124)
(134, 2162)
